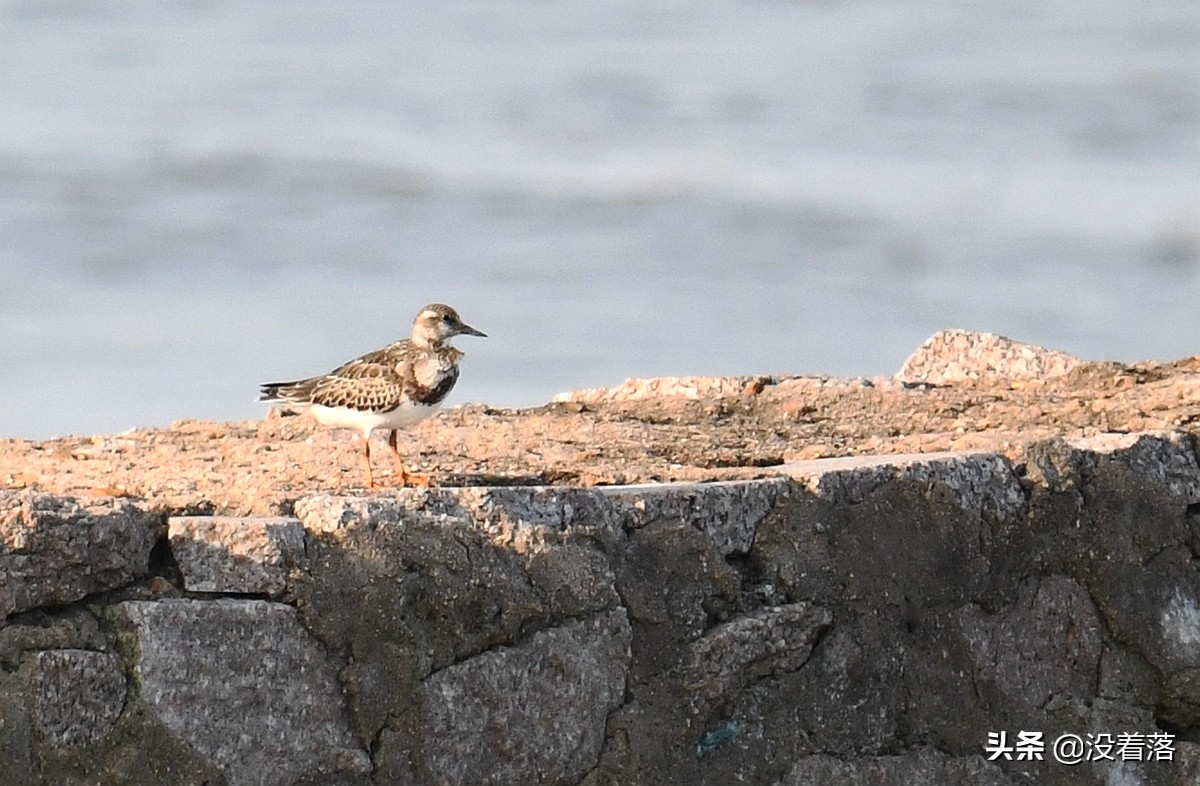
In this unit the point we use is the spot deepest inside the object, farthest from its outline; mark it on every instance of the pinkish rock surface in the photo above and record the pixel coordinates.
(951, 356)
(646, 431)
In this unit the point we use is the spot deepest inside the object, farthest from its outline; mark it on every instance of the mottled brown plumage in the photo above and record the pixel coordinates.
(393, 387)
(379, 381)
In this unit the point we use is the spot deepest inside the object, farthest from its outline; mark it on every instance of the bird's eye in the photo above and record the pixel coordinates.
(446, 318)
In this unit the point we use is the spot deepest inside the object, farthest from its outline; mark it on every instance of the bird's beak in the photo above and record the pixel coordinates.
(467, 330)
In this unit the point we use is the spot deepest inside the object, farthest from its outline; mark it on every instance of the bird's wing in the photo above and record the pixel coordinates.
(370, 387)
(372, 382)
(391, 356)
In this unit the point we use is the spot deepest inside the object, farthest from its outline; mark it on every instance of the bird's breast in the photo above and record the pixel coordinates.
(430, 381)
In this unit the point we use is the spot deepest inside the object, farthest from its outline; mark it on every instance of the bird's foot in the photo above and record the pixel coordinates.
(409, 479)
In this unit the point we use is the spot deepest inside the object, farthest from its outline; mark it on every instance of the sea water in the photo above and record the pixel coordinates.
(197, 197)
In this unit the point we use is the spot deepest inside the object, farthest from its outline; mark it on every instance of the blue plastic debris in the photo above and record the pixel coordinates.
(715, 738)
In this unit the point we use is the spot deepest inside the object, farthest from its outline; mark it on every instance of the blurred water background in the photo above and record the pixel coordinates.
(199, 196)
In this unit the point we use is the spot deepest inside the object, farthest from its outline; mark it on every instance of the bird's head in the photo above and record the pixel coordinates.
(436, 323)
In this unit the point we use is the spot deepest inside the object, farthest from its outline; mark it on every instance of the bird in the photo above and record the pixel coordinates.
(391, 388)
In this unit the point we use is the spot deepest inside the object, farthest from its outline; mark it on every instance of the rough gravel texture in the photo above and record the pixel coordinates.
(644, 431)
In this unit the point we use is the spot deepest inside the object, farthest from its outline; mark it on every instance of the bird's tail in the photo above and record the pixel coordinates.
(278, 391)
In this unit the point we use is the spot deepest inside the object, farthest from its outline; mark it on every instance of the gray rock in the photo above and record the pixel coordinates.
(982, 483)
(1129, 534)
(1046, 646)
(852, 689)
(768, 642)
(944, 706)
(70, 629)
(242, 684)
(575, 580)
(532, 713)
(525, 517)
(875, 535)
(517, 517)
(1185, 767)
(1179, 657)
(56, 550)
(1180, 630)
(1153, 612)
(235, 555)
(673, 583)
(431, 586)
(16, 732)
(76, 695)
(1127, 677)
(1164, 459)
(728, 513)
(951, 356)
(926, 767)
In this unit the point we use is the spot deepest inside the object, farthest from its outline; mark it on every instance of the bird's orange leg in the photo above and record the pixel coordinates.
(366, 462)
(405, 478)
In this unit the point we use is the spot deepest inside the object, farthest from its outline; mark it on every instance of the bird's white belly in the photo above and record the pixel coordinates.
(403, 416)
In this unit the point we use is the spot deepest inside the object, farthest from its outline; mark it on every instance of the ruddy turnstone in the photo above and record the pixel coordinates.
(391, 388)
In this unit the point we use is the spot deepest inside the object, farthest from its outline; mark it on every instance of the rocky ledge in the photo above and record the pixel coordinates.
(776, 580)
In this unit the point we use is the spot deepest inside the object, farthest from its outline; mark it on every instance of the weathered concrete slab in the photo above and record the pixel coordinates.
(524, 517)
(57, 550)
(982, 482)
(728, 513)
(235, 554)
(532, 713)
(517, 517)
(1165, 459)
(243, 685)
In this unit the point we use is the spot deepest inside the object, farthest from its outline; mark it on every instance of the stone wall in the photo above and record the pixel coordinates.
(857, 620)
